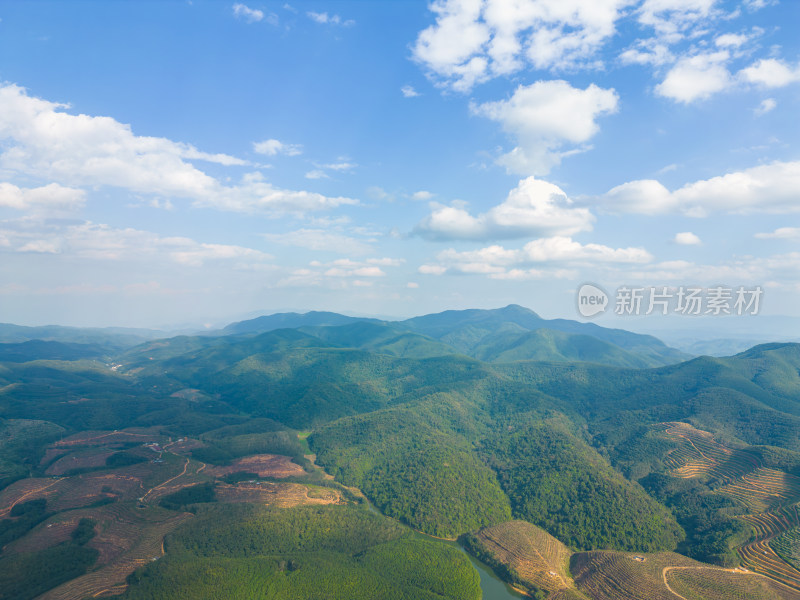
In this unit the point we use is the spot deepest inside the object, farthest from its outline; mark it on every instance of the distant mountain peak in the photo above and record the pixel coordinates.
(516, 309)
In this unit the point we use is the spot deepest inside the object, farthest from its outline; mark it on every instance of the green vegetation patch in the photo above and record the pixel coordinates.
(25, 576)
(303, 553)
(559, 483)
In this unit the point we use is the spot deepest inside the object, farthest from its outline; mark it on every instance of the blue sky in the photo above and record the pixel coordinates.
(170, 163)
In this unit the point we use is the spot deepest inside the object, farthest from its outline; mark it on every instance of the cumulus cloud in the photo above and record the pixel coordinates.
(696, 77)
(272, 147)
(533, 208)
(771, 73)
(687, 238)
(52, 197)
(475, 40)
(781, 233)
(771, 188)
(409, 92)
(544, 117)
(39, 139)
(421, 195)
(246, 13)
(554, 256)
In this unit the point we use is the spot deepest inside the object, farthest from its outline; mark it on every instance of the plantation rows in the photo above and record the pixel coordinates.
(764, 489)
(714, 584)
(665, 576)
(787, 546)
(535, 557)
(699, 454)
(135, 542)
(618, 576)
(759, 554)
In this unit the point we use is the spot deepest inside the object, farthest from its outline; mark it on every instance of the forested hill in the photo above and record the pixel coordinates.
(602, 457)
(501, 335)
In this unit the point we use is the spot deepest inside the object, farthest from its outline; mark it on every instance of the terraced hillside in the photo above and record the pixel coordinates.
(533, 559)
(767, 498)
(665, 576)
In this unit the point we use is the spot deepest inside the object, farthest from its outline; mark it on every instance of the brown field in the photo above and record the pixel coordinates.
(282, 495)
(51, 454)
(537, 558)
(102, 438)
(184, 447)
(84, 459)
(52, 532)
(667, 576)
(127, 539)
(189, 474)
(263, 465)
(24, 490)
(125, 483)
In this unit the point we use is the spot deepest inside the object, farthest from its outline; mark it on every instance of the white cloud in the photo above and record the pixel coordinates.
(564, 249)
(38, 139)
(553, 256)
(647, 52)
(771, 73)
(671, 17)
(545, 116)
(731, 40)
(782, 233)
(316, 174)
(533, 208)
(340, 166)
(102, 242)
(255, 195)
(413, 285)
(272, 147)
(696, 77)
(771, 188)
(475, 40)
(767, 105)
(754, 5)
(409, 92)
(386, 262)
(421, 195)
(320, 239)
(250, 15)
(324, 18)
(52, 197)
(687, 238)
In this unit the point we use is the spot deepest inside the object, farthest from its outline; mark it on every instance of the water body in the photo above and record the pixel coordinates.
(492, 587)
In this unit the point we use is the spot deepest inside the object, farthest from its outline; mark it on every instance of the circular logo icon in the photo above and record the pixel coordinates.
(592, 300)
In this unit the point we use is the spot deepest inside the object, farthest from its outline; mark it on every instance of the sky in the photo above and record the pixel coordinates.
(180, 163)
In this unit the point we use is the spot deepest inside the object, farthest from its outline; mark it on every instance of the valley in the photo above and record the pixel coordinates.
(239, 464)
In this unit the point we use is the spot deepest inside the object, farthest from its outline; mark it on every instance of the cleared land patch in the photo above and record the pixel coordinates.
(263, 465)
